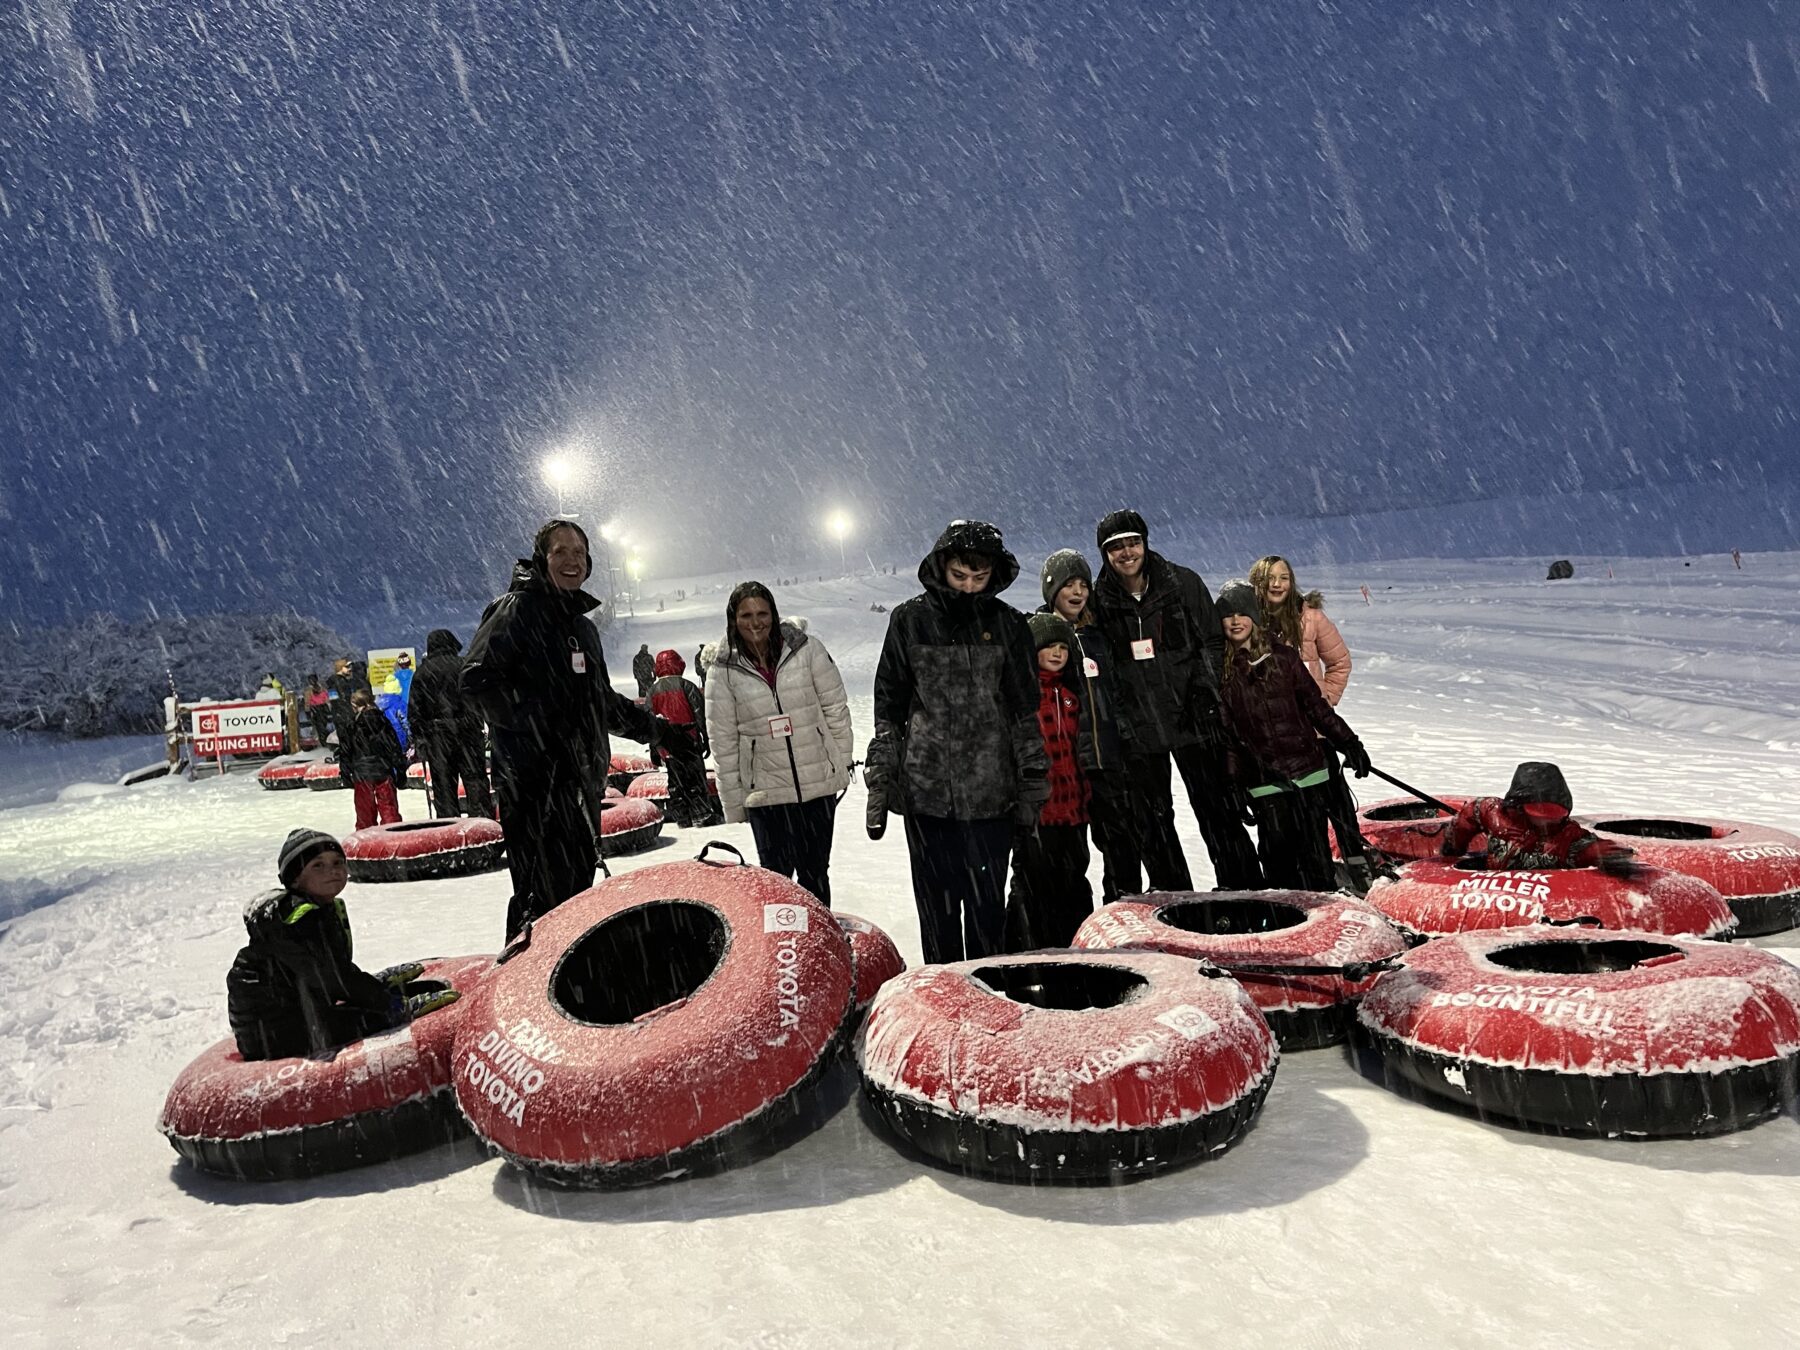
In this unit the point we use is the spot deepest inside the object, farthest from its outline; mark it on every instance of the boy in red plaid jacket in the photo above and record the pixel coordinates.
(1049, 896)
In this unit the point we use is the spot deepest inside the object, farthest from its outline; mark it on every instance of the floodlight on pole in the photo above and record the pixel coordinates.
(557, 473)
(839, 523)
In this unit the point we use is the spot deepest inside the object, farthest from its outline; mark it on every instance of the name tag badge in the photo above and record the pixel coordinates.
(1090, 667)
(1144, 649)
(578, 662)
(781, 726)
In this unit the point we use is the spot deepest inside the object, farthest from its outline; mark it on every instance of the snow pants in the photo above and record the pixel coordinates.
(689, 801)
(1049, 894)
(320, 716)
(450, 757)
(1157, 845)
(959, 885)
(550, 847)
(794, 839)
(376, 802)
(1290, 834)
(1340, 806)
(1110, 826)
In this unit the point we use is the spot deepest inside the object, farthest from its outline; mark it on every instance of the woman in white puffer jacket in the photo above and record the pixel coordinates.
(779, 722)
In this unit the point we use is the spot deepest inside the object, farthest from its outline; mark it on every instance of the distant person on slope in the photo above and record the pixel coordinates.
(683, 749)
(1275, 717)
(318, 709)
(1300, 621)
(372, 763)
(643, 670)
(293, 989)
(1169, 652)
(536, 670)
(781, 736)
(447, 728)
(341, 685)
(1531, 828)
(957, 751)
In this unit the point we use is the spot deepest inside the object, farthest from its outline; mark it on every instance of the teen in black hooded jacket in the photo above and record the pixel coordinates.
(957, 750)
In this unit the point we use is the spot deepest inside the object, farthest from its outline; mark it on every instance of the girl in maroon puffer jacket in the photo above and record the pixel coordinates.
(1275, 715)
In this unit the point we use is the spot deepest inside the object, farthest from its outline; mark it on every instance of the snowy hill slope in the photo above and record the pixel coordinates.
(1347, 1216)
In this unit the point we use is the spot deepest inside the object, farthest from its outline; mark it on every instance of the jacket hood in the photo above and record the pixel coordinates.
(441, 642)
(669, 662)
(969, 536)
(793, 637)
(528, 578)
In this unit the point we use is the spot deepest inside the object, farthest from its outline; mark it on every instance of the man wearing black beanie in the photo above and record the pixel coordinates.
(1166, 642)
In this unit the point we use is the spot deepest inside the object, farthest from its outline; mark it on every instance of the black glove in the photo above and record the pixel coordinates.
(1356, 759)
(1622, 863)
(880, 764)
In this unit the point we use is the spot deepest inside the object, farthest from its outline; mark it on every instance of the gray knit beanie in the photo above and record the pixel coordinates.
(302, 847)
(1062, 567)
(1239, 597)
(1049, 629)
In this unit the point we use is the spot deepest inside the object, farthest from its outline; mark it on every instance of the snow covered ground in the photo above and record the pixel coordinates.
(1347, 1216)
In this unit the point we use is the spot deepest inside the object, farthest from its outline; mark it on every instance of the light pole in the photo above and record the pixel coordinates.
(838, 522)
(556, 473)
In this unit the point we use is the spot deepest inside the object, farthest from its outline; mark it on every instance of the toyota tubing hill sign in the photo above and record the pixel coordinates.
(239, 728)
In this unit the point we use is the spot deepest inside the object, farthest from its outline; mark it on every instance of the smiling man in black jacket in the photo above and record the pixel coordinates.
(536, 671)
(1169, 649)
(957, 751)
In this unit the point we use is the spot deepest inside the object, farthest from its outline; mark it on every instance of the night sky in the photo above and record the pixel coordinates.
(296, 297)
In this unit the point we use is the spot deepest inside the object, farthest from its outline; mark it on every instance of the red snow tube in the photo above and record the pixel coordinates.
(1430, 899)
(324, 776)
(1609, 1034)
(415, 775)
(654, 786)
(1755, 867)
(624, 768)
(1078, 1067)
(278, 1119)
(878, 960)
(666, 1022)
(1402, 828)
(1327, 940)
(283, 775)
(627, 825)
(423, 850)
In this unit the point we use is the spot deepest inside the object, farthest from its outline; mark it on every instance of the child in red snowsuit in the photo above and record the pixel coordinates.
(1530, 827)
(683, 751)
(1049, 896)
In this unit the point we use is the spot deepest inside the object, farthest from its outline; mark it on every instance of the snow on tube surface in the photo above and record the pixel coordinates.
(623, 768)
(323, 776)
(423, 850)
(654, 786)
(279, 1119)
(1755, 867)
(283, 775)
(1305, 929)
(1066, 1066)
(878, 960)
(667, 1022)
(627, 825)
(1594, 1033)
(1431, 899)
(1402, 828)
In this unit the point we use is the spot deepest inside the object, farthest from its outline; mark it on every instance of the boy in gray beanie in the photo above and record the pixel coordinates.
(293, 989)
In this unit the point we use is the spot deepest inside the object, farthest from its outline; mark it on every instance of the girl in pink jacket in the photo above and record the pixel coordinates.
(1302, 623)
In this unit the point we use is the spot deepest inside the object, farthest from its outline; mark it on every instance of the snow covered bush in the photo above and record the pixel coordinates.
(104, 677)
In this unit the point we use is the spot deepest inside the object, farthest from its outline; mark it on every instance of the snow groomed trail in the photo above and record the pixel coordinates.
(1346, 1215)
